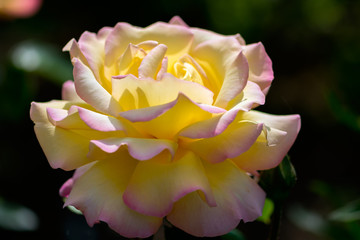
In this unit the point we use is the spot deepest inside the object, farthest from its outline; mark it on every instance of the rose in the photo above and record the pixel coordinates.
(158, 123)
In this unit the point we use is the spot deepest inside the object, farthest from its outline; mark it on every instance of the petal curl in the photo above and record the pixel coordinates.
(235, 140)
(98, 195)
(250, 97)
(260, 65)
(264, 155)
(157, 184)
(68, 92)
(90, 90)
(238, 197)
(165, 121)
(225, 66)
(152, 62)
(139, 148)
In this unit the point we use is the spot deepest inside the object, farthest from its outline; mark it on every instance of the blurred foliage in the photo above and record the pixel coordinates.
(25, 65)
(16, 217)
(337, 218)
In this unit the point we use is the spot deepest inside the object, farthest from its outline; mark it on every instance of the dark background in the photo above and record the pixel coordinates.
(315, 49)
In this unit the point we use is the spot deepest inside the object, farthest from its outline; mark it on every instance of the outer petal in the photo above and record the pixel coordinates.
(237, 197)
(260, 64)
(263, 155)
(178, 39)
(132, 92)
(69, 184)
(225, 66)
(176, 20)
(202, 35)
(90, 90)
(98, 194)
(69, 93)
(38, 111)
(157, 184)
(235, 140)
(139, 148)
(63, 149)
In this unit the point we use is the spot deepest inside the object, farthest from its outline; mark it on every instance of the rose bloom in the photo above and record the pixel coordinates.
(158, 123)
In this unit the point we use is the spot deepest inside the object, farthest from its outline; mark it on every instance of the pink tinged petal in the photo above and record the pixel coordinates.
(98, 194)
(38, 111)
(156, 185)
(68, 185)
(63, 148)
(66, 188)
(165, 121)
(92, 92)
(132, 92)
(69, 93)
(176, 20)
(250, 97)
(210, 127)
(226, 67)
(202, 35)
(238, 197)
(92, 46)
(260, 64)
(269, 150)
(239, 38)
(139, 148)
(73, 47)
(152, 62)
(235, 140)
(105, 123)
(178, 39)
(68, 119)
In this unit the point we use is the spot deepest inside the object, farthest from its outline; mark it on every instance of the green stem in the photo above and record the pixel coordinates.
(276, 221)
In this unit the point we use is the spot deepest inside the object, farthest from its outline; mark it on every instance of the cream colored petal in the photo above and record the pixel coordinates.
(238, 197)
(157, 184)
(90, 90)
(132, 92)
(178, 39)
(225, 66)
(269, 150)
(98, 194)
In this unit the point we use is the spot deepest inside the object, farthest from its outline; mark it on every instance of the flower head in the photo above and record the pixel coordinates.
(158, 123)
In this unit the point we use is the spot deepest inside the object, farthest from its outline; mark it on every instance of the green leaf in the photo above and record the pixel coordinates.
(288, 173)
(234, 235)
(267, 211)
(278, 182)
